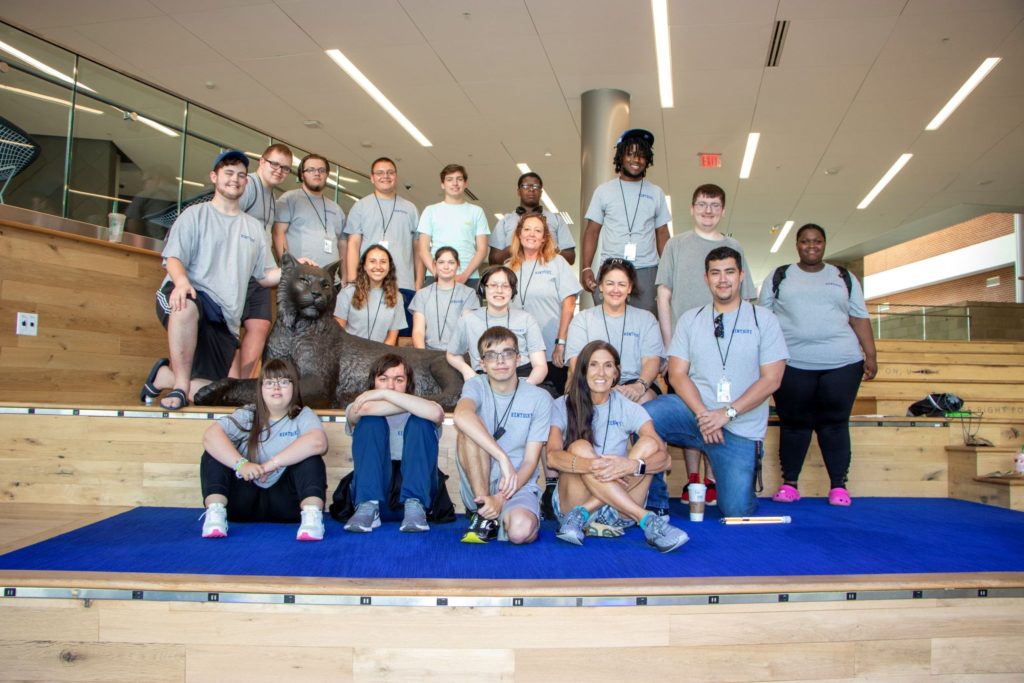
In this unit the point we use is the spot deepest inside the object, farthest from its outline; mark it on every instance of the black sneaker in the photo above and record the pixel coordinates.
(481, 530)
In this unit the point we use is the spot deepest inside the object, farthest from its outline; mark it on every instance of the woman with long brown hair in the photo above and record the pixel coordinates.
(371, 307)
(604, 480)
(263, 463)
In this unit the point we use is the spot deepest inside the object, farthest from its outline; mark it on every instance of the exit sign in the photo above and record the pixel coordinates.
(710, 160)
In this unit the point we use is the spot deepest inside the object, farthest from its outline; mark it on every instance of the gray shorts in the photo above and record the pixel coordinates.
(527, 498)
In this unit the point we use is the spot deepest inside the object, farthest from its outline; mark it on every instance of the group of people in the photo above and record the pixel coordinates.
(574, 394)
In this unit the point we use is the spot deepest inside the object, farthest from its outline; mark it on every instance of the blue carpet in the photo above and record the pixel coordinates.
(875, 536)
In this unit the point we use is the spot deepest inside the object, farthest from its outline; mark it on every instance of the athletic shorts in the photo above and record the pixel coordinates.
(215, 344)
(257, 302)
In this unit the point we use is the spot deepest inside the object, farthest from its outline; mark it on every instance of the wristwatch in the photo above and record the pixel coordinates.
(641, 468)
(559, 341)
(731, 412)
(642, 382)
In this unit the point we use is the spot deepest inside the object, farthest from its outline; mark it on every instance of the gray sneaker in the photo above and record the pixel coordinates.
(571, 530)
(663, 535)
(415, 517)
(365, 519)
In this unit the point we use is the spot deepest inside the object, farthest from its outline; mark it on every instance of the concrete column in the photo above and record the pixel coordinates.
(1018, 231)
(605, 115)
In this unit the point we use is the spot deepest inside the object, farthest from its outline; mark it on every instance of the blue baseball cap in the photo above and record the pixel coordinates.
(645, 135)
(231, 155)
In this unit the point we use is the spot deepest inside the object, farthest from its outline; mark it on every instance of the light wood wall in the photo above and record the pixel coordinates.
(98, 331)
(935, 641)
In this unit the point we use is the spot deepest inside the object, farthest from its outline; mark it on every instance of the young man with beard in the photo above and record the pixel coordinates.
(630, 217)
(309, 224)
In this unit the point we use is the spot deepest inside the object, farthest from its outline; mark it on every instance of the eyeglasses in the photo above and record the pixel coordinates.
(279, 383)
(318, 171)
(719, 326)
(529, 186)
(495, 356)
(713, 207)
(498, 285)
(276, 167)
(388, 172)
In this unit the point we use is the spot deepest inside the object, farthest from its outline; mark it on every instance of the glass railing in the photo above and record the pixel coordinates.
(963, 322)
(79, 141)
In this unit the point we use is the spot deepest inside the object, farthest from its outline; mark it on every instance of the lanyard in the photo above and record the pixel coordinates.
(636, 209)
(499, 425)
(508, 318)
(380, 302)
(323, 221)
(261, 192)
(622, 337)
(437, 312)
(381, 209)
(522, 294)
(731, 334)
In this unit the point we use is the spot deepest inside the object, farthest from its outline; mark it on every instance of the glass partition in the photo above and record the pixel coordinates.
(35, 87)
(107, 143)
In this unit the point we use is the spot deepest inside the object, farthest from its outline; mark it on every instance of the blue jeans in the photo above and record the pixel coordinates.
(733, 461)
(371, 461)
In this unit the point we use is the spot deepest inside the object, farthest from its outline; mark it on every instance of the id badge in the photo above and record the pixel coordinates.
(629, 253)
(328, 247)
(383, 243)
(724, 391)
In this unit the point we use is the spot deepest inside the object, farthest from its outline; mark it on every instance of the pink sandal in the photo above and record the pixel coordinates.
(839, 496)
(787, 494)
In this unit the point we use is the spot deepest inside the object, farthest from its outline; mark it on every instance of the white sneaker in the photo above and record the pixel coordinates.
(312, 527)
(216, 523)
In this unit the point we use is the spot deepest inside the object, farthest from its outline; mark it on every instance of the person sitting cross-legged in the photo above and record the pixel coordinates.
(389, 423)
(603, 481)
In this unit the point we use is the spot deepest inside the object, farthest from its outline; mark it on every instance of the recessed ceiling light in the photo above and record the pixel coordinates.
(311, 123)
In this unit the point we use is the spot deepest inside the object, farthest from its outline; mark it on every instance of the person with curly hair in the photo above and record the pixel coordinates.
(371, 307)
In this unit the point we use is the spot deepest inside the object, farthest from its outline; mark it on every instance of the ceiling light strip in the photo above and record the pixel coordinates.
(49, 98)
(119, 200)
(748, 156)
(663, 52)
(157, 126)
(969, 85)
(889, 175)
(49, 70)
(373, 91)
(782, 236)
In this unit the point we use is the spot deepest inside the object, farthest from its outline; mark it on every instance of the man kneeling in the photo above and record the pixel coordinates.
(503, 423)
(603, 482)
(388, 423)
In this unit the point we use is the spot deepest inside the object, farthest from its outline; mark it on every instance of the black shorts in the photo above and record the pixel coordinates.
(257, 302)
(215, 344)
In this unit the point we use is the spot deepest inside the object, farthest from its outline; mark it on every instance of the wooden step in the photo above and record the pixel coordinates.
(948, 347)
(968, 466)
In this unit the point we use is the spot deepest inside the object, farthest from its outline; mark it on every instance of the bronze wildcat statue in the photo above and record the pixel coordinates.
(333, 365)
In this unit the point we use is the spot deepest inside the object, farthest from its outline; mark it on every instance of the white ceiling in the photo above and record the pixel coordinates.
(497, 82)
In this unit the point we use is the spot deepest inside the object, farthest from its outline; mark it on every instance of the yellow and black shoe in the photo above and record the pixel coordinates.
(481, 530)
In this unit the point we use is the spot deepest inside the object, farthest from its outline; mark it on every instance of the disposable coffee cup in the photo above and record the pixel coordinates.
(697, 493)
(115, 226)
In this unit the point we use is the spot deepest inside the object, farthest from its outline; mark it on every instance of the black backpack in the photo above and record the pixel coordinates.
(779, 274)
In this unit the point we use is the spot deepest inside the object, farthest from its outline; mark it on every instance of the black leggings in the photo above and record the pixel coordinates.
(817, 401)
(248, 502)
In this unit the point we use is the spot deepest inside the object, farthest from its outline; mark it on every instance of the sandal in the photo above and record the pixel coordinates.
(149, 390)
(176, 394)
(839, 496)
(788, 494)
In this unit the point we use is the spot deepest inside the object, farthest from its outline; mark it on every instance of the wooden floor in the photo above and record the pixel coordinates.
(819, 634)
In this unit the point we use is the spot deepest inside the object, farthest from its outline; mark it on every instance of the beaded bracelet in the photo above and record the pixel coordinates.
(239, 465)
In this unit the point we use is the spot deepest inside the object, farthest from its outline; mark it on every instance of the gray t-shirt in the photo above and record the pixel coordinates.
(682, 271)
(396, 433)
(441, 310)
(473, 324)
(390, 223)
(314, 223)
(279, 436)
(220, 253)
(525, 415)
(629, 213)
(814, 310)
(375, 319)
(634, 335)
(611, 430)
(456, 226)
(750, 340)
(259, 202)
(501, 236)
(542, 288)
